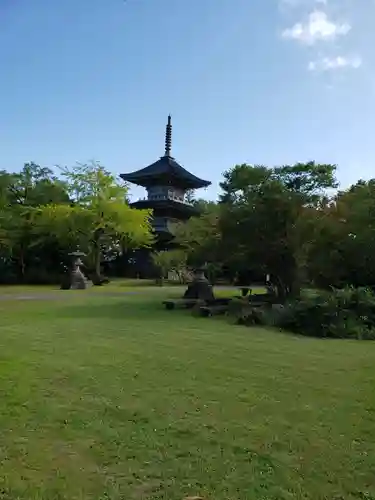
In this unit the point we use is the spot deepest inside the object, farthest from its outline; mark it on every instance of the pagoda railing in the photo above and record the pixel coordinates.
(167, 198)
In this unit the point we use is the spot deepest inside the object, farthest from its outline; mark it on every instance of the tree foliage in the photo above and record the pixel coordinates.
(289, 222)
(262, 222)
(344, 239)
(20, 194)
(99, 217)
(44, 216)
(171, 261)
(200, 236)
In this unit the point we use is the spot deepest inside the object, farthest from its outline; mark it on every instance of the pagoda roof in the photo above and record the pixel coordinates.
(166, 170)
(184, 210)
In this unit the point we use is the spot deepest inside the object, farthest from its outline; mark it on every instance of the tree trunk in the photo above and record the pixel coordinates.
(97, 255)
(22, 265)
(160, 281)
(281, 289)
(288, 286)
(295, 288)
(293, 282)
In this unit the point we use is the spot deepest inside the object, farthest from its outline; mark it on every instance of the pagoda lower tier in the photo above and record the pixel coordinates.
(166, 214)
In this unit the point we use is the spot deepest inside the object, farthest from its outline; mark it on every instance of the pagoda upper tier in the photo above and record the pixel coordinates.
(166, 171)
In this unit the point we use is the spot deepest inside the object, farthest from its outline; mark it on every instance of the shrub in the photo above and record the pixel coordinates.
(338, 313)
(245, 313)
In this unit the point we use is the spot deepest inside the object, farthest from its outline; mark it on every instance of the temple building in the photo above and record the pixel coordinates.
(167, 184)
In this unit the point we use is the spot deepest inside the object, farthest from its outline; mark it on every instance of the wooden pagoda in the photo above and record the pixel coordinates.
(167, 183)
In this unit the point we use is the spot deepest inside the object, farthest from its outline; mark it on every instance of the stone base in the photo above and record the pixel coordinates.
(199, 290)
(75, 281)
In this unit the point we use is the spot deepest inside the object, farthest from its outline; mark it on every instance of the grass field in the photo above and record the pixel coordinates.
(118, 285)
(105, 397)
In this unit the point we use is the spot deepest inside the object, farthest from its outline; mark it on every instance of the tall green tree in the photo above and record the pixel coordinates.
(200, 236)
(263, 218)
(343, 239)
(99, 218)
(35, 185)
(174, 260)
(20, 193)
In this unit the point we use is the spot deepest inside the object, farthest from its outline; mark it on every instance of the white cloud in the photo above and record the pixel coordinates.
(334, 63)
(317, 28)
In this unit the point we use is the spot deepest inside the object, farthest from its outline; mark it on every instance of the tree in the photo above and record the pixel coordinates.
(343, 239)
(263, 215)
(200, 236)
(170, 261)
(34, 186)
(99, 218)
(309, 180)
(19, 193)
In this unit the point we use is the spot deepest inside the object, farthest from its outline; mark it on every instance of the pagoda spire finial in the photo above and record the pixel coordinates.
(168, 137)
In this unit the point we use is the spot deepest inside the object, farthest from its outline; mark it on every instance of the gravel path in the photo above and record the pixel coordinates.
(58, 295)
(66, 294)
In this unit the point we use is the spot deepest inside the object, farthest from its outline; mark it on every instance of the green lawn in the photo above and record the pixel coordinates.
(116, 285)
(122, 285)
(105, 397)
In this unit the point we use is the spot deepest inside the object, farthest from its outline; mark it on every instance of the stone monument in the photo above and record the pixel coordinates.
(77, 278)
(199, 288)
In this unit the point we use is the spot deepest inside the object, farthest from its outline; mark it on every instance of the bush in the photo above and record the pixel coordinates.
(248, 314)
(252, 317)
(339, 313)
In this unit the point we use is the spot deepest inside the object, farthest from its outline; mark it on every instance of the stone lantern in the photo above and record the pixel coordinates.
(77, 278)
(199, 288)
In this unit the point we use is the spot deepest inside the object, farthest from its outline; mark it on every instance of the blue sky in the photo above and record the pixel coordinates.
(257, 81)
